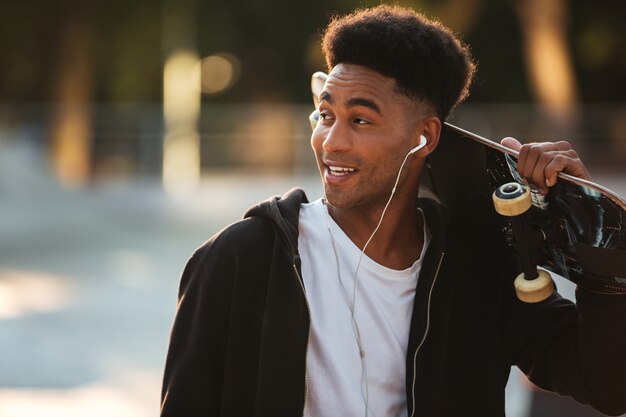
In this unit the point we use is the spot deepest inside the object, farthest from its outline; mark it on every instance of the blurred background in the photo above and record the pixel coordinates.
(131, 131)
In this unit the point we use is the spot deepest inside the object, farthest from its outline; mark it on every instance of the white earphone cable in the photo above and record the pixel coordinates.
(352, 304)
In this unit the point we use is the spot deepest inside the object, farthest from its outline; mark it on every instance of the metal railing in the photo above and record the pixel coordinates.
(127, 139)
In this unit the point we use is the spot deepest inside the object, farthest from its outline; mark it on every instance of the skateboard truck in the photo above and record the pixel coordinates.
(513, 200)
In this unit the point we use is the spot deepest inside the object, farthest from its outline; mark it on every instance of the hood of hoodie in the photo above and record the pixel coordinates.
(284, 212)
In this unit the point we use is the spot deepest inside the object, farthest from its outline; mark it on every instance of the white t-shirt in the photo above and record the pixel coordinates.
(384, 305)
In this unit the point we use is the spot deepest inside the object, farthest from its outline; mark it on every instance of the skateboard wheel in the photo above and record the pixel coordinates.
(512, 199)
(534, 290)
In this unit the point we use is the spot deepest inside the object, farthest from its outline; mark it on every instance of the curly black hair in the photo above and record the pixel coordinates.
(428, 62)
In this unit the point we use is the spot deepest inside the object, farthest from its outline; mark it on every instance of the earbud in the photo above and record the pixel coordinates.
(422, 143)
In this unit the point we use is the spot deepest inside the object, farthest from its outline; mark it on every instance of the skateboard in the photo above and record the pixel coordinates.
(577, 230)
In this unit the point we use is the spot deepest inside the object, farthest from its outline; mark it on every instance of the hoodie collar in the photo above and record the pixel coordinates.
(437, 219)
(284, 211)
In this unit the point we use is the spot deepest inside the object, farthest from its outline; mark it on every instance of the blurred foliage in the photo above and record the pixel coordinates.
(597, 34)
(277, 42)
(123, 38)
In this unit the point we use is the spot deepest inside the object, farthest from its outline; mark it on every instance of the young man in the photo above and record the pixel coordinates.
(372, 301)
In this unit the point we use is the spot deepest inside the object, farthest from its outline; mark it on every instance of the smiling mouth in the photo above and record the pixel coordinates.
(337, 171)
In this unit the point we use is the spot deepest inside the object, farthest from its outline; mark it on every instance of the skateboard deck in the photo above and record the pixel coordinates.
(577, 230)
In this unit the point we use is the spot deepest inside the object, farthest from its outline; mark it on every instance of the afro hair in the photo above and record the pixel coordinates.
(428, 62)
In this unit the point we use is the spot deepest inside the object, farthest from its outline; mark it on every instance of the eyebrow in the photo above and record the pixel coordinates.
(353, 102)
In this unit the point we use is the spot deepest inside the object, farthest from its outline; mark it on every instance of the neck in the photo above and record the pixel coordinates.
(398, 242)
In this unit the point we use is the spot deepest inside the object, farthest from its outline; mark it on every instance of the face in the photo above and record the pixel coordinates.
(364, 132)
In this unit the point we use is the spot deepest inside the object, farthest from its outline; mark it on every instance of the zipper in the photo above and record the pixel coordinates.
(306, 349)
(430, 293)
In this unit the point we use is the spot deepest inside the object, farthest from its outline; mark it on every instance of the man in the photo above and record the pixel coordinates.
(371, 301)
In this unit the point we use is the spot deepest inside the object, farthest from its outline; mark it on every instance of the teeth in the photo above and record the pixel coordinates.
(341, 169)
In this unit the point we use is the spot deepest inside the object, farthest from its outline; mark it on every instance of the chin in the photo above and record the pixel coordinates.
(333, 199)
(340, 200)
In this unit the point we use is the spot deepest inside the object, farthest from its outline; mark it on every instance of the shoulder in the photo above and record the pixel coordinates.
(240, 238)
(247, 247)
(239, 251)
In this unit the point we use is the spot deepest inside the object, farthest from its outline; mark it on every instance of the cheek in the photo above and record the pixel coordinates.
(316, 140)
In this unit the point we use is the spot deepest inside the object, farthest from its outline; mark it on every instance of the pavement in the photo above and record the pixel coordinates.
(88, 283)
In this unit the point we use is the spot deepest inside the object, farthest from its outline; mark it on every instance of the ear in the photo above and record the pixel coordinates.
(317, 85)
(431, 129)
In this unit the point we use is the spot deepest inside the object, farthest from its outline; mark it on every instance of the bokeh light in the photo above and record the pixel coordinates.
(217, 73)
(181, 100)
(181, 107)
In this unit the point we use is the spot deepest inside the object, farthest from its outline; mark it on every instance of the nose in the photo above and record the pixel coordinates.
(336, 138)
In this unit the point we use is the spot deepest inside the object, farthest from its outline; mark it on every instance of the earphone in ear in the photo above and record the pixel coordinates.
(422, 143)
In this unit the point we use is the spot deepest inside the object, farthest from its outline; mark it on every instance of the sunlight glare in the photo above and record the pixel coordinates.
(22, 292)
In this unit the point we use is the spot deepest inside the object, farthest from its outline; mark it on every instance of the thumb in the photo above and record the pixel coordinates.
(511, 143)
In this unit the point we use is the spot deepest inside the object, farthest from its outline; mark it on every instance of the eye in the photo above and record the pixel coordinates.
(325, 117)
(361, 121)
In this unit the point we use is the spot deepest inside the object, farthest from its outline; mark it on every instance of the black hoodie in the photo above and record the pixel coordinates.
(239, 341)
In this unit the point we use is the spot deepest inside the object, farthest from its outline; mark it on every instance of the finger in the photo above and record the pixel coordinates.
(511, 143)
(535, 156)
(528, 156)
(538, 177)
(553, 158)
(567, 162)
(557, 164)
(575, 166)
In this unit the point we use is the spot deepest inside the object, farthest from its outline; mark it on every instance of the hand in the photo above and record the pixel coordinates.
(539, 163)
